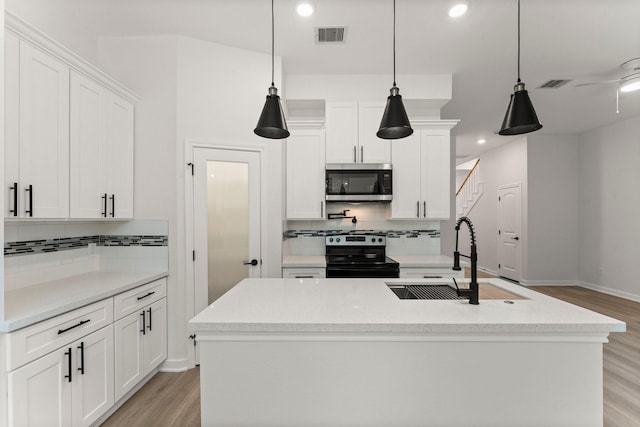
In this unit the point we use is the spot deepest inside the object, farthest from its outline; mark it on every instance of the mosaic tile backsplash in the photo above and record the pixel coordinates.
(55, 245)
(292, 234)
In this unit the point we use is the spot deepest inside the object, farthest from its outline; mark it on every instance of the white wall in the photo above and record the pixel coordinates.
(552, 179)
(608, 206)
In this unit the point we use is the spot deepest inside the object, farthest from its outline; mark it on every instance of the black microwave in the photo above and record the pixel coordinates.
(358, 182)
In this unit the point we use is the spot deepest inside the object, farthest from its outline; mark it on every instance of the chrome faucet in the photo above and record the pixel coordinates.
(472, 292)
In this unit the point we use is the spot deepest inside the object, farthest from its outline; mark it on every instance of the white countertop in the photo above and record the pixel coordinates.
(423, 261)
(302, 261)
(368, 306)
(32, 304)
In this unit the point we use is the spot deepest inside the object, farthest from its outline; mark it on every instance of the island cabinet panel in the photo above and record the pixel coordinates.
(429, 273)
(305, 171)
(101, 151)
(72, 386)
(37, 121)
(351, 133)
(421, 175)
(406, 381)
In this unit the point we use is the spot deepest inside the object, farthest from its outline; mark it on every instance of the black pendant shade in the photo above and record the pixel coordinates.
(272, 123)
(520, 117)
(395, 122)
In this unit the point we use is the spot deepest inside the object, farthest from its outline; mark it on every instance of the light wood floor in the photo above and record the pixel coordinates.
(173, 399)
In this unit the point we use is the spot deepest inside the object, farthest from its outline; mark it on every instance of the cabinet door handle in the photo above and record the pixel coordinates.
(29, 190)
(361, 154)
(14, 188)
(113, 205)
(68, 353)
(81, 348)
(424, 209)
(80, 323)
(149, 311)
(144, 322)
(104, 205)
(418, 209)
(322, 209)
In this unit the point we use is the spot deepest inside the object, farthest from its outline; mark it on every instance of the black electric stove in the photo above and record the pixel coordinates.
(359, 255)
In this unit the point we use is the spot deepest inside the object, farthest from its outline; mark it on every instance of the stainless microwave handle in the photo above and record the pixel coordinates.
(355, 160)
(361, 154)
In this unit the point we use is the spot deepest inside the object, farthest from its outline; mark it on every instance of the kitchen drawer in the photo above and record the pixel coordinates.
(27, 344)
(430, 273)
(303, 273)
(134, 299)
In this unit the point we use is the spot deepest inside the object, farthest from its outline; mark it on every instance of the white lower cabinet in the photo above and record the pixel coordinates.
(70, 386)
(430, 273)
(140, 345)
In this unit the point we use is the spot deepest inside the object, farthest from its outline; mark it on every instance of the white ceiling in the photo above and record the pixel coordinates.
(579, 39)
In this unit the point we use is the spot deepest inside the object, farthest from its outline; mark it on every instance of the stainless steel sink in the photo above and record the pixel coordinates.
(430, 291)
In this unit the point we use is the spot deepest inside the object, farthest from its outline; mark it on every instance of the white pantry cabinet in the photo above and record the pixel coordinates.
(421, 172)
(351, 133)
(141, 336)
(101, 151)
(305, 171)
(37, 132)
(71, 386)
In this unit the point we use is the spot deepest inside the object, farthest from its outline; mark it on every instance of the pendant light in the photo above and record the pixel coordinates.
(395, 123)
(520, 117)
(272, 123)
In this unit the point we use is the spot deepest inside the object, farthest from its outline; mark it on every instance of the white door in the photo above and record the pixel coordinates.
(92, 392)
(510, 232)
(40, 392)
(226, 223)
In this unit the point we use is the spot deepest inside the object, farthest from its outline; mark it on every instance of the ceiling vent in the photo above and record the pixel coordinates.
(554, 84)
(330, 35)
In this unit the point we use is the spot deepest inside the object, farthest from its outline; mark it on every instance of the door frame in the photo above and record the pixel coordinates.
(189, 148)
(519, 250)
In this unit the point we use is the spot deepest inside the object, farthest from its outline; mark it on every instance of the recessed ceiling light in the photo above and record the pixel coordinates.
(458, 10)
(482, 141)
(305, 8)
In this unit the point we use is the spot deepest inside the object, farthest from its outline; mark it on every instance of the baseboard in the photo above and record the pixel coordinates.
(548, 283)
(175, 365)
(610, 291)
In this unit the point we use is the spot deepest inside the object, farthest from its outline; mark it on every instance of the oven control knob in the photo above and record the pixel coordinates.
(380, 239)
(373, 239)
(337, 240)
(330, 239)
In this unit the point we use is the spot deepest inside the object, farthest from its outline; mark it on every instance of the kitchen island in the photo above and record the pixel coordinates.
(348, 352)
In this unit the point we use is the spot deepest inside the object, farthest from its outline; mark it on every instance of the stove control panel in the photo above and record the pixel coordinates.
(355, 240)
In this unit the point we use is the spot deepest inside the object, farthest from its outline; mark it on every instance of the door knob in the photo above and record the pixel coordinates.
(252, 262)
(515, 238)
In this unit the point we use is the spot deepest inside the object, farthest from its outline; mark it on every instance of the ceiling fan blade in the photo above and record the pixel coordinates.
(603, 82)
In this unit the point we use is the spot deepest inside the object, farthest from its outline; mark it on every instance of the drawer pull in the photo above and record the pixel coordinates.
(82, 322)
(304, 277)
(147, 295)
(432, 277)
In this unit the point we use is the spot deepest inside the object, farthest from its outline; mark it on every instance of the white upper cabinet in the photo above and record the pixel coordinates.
(101, 151)
(37, 133)
(305, 171)
(69, 133)
(351, 133)
(422, 172)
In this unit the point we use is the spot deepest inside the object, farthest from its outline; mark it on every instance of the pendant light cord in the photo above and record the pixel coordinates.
(518, 41)
(394, 42)
(273, 44)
